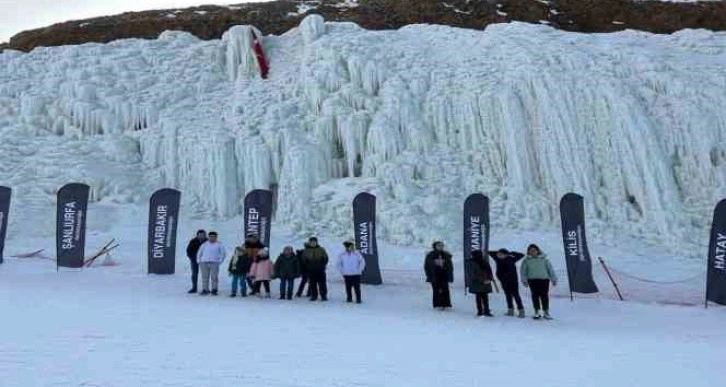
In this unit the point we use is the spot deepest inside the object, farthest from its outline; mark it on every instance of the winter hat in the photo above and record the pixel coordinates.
(503, 251)
(313, 239)
(533, 246)
(433, 245)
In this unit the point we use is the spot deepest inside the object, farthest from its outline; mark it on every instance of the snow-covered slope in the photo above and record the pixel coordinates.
(421, 116)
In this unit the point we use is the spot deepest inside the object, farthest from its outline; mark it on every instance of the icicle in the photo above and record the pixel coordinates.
(312, 27)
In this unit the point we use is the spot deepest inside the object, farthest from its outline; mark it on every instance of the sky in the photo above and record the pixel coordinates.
(20, 15)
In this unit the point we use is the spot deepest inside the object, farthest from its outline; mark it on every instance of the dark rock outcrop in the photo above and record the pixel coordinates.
(210, 22)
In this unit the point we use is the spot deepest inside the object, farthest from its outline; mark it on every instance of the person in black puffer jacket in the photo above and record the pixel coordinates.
(192, 250)
(304, 275)
(287, 268)
(439, 271)
(507, 274)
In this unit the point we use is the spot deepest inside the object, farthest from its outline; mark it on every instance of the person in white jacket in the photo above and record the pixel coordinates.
(351, 265)
(211, 254)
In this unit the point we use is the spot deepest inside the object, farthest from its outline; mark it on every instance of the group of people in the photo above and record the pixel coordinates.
(250, 267)
(536, 273)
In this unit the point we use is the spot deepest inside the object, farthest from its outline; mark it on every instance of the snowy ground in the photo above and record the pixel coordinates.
(108, 327)
(116, 326)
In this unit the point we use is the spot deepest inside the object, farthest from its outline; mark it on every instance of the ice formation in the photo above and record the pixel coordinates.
(420, 116)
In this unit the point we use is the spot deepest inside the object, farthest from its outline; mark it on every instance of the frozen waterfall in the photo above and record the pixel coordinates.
(421, 116)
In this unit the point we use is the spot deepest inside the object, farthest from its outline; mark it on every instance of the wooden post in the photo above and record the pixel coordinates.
(602, 262)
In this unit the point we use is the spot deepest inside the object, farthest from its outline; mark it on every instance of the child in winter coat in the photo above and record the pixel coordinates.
(261, 271)
(537, 273)
(507, 274)
(480, 275)
(351, 265)
(287, 268)
(239, 266)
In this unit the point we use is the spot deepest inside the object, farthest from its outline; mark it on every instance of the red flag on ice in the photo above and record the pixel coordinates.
(260, 55)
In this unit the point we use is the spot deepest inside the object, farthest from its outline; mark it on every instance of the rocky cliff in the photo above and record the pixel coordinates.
(209, 22)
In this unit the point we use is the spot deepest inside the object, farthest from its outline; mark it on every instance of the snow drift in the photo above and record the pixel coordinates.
(421, 117)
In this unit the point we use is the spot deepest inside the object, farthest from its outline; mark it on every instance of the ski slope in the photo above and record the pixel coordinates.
(420, 116)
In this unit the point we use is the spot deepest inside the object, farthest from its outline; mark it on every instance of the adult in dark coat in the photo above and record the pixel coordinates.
(439, 270)
(316, 260)
(192, 250)
(481, 276)
(304, 275)
(506, 262)
(287, 268)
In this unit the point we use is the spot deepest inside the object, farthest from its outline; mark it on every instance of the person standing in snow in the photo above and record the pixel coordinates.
(303, 273)
(287, 268)
(480, 274)
(239, 266)
(315, 259)
(351, 265)
(537, 273)
(507, 274)
(254, 246)
(192, 250)
(439, 270)
(261, 271)
(211, 254)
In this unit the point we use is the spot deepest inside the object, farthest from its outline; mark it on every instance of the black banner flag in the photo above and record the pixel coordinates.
(716, 281)
(364, 224)
(476, 230)
(5, 194)
(71, 225)
(163, 224)
(258, 215)
(577, 255)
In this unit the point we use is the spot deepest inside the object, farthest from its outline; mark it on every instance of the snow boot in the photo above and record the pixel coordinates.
(214, 292)
(488, 314)
(547, 315)
(204, 293)
(192, 290)
(520, 313)
(510, 312)
(537, 315)
(233, 295)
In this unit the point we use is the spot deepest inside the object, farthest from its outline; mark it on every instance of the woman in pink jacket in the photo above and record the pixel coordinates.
(261, 271)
